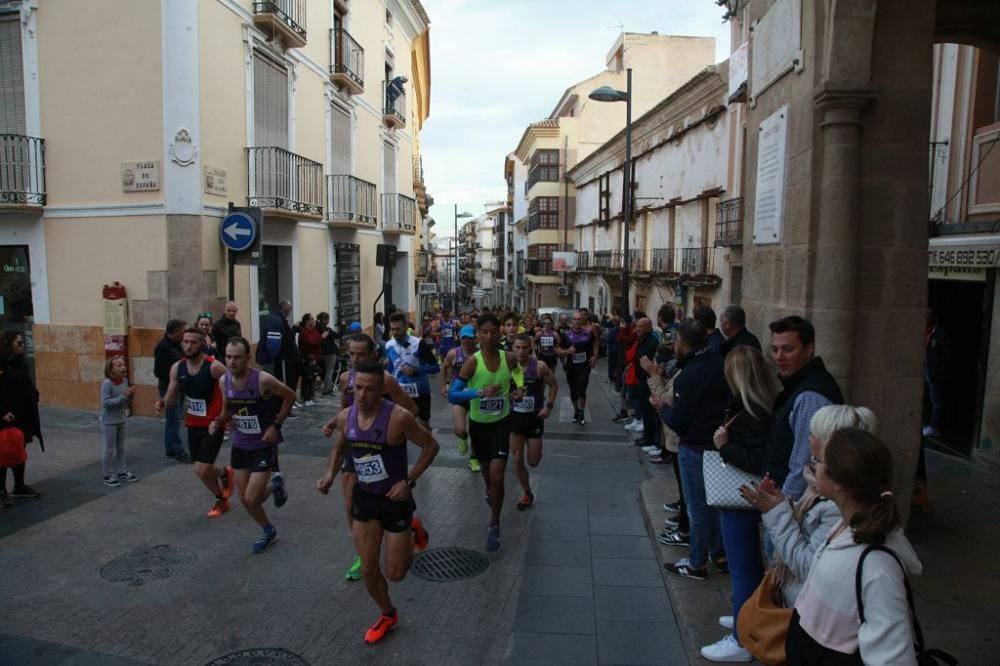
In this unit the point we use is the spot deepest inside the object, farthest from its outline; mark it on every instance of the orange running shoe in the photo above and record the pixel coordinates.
(420, 536)
(382, 625)
(229, 484)
(219, 508)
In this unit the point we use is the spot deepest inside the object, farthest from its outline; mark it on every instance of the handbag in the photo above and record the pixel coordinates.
(763, 622)
(723, 481)
(12, 449)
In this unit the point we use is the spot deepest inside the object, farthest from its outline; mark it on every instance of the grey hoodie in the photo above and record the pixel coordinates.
(114, 402)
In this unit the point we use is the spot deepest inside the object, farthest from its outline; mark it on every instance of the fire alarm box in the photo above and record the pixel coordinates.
(115, 304)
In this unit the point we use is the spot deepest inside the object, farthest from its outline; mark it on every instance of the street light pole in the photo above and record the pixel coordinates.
(454, 295)
(627, 187)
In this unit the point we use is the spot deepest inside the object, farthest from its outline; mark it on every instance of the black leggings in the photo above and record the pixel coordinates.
(18, 476)
(578, 377)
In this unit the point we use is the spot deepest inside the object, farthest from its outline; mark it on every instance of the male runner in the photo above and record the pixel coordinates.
(195, 380)
(581, 356)
(410, 361)
(548, 341)
(528, 414)
(447, 331)
(460, 413)
(509, 332)
(249, 398)
(360, 351)
(484, 381)
(374, 432)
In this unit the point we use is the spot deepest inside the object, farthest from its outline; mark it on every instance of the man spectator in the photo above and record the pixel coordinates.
(277, 347)
(626, 340)
(699, 404)
(733, 323)
(937, 368)
(646, 345)
(666, 319)
(808, 386)
(611, 344)
(705, 316)
(226, 327)
(167, 352)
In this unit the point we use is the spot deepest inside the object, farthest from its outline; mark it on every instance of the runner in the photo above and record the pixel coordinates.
(509, 332)
(581, 355)
(460, 413)
(410, 360)
(447, 331)
(374, 432)
(548, 341)
(195, 380)
(249, 398)
(360, 351)
(484, 381)
(528, 414)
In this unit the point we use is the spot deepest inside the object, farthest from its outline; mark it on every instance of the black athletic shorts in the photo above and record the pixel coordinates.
(549, 361)
(347, 467)
(423, 406)
(531, 425)
(204, 448)
(394, 516)
(256, 460)
(490, 441)
(466, 405)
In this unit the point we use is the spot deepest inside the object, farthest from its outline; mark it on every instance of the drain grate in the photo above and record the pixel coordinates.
(260, 656)
(149, 563)
(443, 565)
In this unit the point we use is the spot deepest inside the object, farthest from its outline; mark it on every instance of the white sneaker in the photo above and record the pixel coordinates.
(651, 449)
(636, 427)
(726, 649)
(630, 421)
(726, 622)
(929, 431)
(309, 403)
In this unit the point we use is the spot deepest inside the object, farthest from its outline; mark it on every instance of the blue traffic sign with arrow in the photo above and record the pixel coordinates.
(238, 231)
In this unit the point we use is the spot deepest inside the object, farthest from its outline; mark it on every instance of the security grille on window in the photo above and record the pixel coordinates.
(347, 281)
(270, 101)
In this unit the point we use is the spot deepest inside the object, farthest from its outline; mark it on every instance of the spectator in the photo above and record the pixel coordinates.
(204, 324)
(937, 368)
(329, 349)
(741, 441)
(116, 400)
(611, 344)
(626, 341)
(854, 470)
(167, 352)
(310, 342)
(379, 331)
(661, 387)
(706, 317)
(666, 319)
(18, 409)
(278, 349)
(699, 403)
(646, 345)
(732, 323)
(808, 386)
(226, 327)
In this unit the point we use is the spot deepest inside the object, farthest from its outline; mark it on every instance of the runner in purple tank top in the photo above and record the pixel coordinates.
(450, 366)
(249, 400)
(374, 432)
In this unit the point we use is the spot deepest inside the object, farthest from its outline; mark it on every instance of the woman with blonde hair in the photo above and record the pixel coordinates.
(741, 441)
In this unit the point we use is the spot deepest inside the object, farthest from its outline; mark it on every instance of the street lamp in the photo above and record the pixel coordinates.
(454, 296)
(609, 94)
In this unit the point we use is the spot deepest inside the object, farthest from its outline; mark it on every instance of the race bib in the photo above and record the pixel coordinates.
(525, 405)
(370, 469)
(248, 425)
(447, 333)
(197, 407)
(411, 390)
(491, 406)
(580, 357)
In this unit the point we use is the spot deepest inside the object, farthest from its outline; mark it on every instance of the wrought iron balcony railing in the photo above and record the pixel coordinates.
(284, 17)
(22, 170)
(282, 180)
(398, 213)
(351, 201)
(689, 264)
(394, 110)
(540, 267)
(347, 62)
(729, 222)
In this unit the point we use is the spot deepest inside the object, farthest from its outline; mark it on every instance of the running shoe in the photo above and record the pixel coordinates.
(727, 649)
(636, 427)
(493, 538)
(527, 501)
(112, 481)
(583, 418)
(659, 460)
(726, 622)
(421, 537)
(354, 571)
(228, 482)
(24, 491)
(672, 523)
(674, 538)
(296, 405)
(474, 465)
(309, 403)
(127, 476)
(382, 626)
(674, 507)
(220, 507)
(683, 568)
(266, 540)
(278, 490)
(463, 445)
(651, 449)
(576, 416)
(621, 418)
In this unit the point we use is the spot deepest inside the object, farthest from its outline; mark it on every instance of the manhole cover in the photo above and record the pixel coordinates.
(255, 656)
(146, 564)
(448, 564)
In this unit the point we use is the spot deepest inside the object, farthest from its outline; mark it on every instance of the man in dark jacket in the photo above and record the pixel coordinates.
(808, 387)
(277, 347)
(733, 323)
(167, 352)
(646, 346)
(226, 327)
(700, 398)
(706, 317)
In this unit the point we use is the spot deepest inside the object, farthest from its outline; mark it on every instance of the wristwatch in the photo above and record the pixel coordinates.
(479, 393)
(276, 423)
(411, 483)
(550, 405)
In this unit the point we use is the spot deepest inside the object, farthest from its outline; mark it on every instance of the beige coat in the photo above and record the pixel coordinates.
(664, 390)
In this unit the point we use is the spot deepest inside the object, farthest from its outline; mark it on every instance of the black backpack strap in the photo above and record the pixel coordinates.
(918, 633)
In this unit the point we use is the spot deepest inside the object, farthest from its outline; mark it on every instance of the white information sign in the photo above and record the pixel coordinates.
(769, 202)
(140, 176)
(427, 288)
(215, 180)
(776, 45)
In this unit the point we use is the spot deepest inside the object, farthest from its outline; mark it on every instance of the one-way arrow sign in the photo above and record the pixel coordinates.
(238, 231)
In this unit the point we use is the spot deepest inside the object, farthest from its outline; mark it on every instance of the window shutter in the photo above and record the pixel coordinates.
(11, 77)
(270, 102)
(389, 169)
(340, 131)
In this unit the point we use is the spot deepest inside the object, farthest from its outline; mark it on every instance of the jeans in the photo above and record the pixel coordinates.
(705, 537)
(612, 365)
(113, 458)
(309, 371)
(172, 429)
(329, 366)
(683, 524)
(741, 537)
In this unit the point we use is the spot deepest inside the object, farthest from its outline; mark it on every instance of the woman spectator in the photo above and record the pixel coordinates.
(611, 344)
(741, 440)
(379, 331)
(329, 350)
(204, 324)
(310, 351)
(18, 409)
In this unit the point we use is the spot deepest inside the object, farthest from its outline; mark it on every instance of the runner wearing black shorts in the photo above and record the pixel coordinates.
(548, 341)
(529, 409)
(450, 365)
(581, 356)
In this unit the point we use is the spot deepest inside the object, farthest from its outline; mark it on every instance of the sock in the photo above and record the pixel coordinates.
(219, 498)
(269, 528)
(391, 613)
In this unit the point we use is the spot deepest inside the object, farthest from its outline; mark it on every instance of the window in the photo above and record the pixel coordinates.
(11, 77)
(270, 101)
(340, 133)
(543, 213)
(347, 281)
(604, 198)
(388, 168)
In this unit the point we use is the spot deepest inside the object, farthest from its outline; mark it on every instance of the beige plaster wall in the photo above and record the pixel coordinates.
(314, 262)
(310, 115)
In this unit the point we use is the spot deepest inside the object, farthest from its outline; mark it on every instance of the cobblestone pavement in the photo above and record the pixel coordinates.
(575, 581)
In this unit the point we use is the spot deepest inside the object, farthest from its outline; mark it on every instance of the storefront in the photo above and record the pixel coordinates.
(16, 308)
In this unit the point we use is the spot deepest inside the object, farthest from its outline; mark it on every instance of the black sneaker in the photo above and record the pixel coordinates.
(182, 457)
(621, 418)
(683, 568)
(583, 420)
(278, 490)
(5, 501)
(24, 491)
(672, 507)
(674, 538)
(576, 416)
(721, 564)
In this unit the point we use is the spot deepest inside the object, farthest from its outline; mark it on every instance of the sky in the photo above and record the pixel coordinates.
(497, 65)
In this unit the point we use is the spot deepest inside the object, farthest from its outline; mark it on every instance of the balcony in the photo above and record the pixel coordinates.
(394, 111)
(351, 202)
(690, 265)
(398, 214)
(22, 171)
(283, 181)
(583, 261)
(729, 222)
(540, 267)
(347, 62)
(421, 264)
(285, 19)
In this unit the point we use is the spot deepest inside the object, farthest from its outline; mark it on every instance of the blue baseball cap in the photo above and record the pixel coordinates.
(355, 327)
(467, 332)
